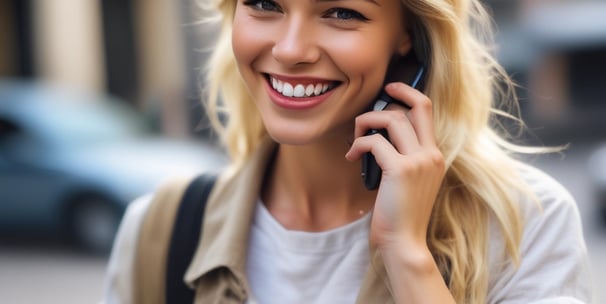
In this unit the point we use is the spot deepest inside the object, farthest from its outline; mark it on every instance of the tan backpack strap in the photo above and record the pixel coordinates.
(153, 242)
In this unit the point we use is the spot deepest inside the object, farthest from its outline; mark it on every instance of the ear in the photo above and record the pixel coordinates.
(404, 44)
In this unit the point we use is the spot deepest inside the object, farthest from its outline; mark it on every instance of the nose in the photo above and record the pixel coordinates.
(296, 44)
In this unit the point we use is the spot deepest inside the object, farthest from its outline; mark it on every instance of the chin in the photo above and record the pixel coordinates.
(287, 136)
(289, 139)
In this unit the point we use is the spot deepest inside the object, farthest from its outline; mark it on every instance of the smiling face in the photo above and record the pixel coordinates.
(312, 66)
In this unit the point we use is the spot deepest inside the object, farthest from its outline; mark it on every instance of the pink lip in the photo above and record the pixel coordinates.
(295, 103)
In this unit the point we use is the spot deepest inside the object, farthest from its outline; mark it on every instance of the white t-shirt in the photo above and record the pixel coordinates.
(554, 267)
(286, 266)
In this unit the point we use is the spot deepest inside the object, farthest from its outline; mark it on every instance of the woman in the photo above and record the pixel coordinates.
(455, 218)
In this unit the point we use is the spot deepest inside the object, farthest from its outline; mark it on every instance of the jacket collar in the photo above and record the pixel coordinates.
(228, 218)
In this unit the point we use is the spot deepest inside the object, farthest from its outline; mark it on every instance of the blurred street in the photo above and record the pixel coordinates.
(49, 274)
(61, 275)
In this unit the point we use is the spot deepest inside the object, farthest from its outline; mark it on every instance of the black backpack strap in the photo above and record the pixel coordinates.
(185, 237)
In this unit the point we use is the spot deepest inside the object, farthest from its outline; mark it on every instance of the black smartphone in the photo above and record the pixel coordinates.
(411, 69)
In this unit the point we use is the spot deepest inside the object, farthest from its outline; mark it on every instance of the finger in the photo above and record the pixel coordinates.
(376, 144)
(401, 132)
(420, 113)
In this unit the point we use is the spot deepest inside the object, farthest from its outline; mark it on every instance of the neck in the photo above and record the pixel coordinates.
(314, 188)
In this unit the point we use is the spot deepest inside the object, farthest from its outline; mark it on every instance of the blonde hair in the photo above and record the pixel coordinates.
(466, 84)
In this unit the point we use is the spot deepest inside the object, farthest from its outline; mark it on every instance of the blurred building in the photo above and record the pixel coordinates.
(146, 52)
(150, 53)
(555, 49)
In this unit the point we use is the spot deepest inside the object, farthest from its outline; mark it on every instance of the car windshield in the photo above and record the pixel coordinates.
(66, 116)
(93, 122)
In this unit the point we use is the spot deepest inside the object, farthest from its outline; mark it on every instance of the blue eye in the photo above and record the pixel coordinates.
(263, 5)
(345, 14)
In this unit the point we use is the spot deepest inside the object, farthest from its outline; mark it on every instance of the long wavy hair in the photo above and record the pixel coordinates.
(469, 89)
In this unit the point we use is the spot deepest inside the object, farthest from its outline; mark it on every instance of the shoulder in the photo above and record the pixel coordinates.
(131, 221)
(119, 274)
(551, 218)
(547, 189)
(553, 255)
(137, 209)
(130, 225)
(547, 203)
(145, 226)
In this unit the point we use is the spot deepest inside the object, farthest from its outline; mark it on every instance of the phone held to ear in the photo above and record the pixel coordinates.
(371, 172)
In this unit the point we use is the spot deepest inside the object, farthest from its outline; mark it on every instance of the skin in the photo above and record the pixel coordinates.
(314, 182)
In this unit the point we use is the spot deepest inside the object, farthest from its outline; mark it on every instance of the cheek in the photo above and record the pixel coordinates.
(360, 53)
(362, 59)
(246, 41)
(239, 42)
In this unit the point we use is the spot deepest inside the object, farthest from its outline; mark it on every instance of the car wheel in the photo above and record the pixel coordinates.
(94, 223)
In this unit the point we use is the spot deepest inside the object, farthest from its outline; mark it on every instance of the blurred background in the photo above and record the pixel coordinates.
(100, 102)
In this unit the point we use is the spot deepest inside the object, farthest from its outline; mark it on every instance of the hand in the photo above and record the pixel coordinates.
(413, 168)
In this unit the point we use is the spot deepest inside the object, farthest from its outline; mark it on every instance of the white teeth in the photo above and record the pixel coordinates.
(288, 90)
(274, 83)
(318, 89)
(309, 90)
(298, 90)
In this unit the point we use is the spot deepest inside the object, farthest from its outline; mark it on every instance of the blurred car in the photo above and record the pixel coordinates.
(71, 162)
(597, 174)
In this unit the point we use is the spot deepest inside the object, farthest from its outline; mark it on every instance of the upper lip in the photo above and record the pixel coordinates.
(301, 79)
